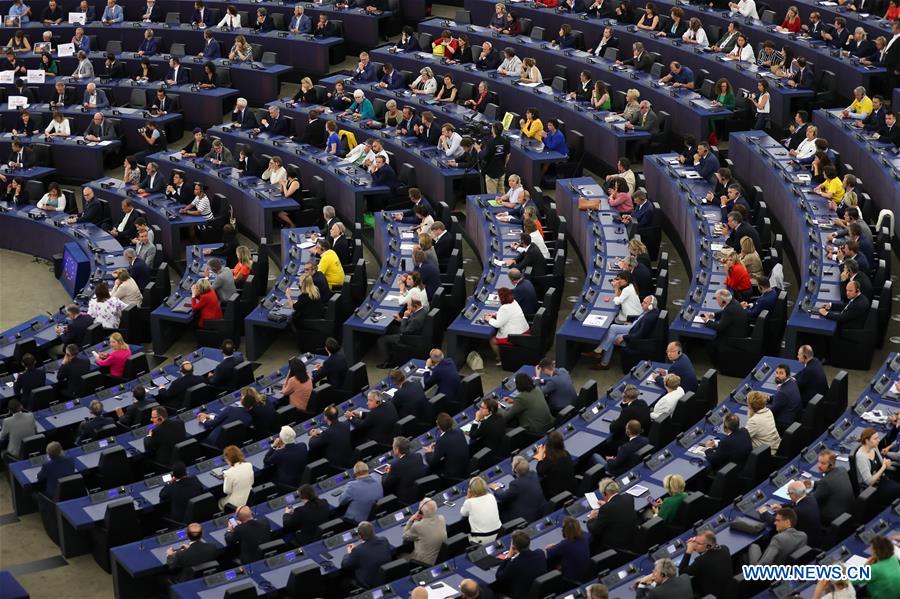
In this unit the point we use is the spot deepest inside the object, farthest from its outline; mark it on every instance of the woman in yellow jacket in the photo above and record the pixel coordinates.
(531, 125)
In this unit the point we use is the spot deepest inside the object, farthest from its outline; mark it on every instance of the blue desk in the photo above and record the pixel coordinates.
(11, 587)
(393, 248)
(438, 181)
(807, 222)
(259, 330)
(255, 202)
(73, 158)
(600, 239)
(683, 201)
(874, 24)
(872, 160)
(346, 187)
(603, 141)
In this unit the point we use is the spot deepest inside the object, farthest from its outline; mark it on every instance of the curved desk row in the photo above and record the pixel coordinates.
(872, 22)
(740, 74)
(72, 158)
(307, 54)
(807, 223)
(600, 239)
(872, 160)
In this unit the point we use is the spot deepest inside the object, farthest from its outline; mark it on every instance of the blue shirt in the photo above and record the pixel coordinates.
(302, 24)
(113, 14)
(556, 142)
(359, 496)
(19, 11)
(333, 140)
(684, 76)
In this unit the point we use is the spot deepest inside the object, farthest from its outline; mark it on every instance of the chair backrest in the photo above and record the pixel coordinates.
(177, 49)
(537, 34)
(269, 57)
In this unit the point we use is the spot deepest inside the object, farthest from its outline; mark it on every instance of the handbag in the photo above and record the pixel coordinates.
(475, 361)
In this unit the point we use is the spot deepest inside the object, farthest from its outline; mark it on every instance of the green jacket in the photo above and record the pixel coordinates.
(532, 412)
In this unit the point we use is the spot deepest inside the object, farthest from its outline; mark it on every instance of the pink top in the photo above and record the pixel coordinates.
(622, 202)
(298, 393)
(116, 361)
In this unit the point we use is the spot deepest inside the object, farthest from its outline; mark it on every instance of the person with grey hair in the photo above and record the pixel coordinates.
(378, 423)
(288, 457)
(17, 427)
(618, 335)
(707, 563)
(597, 591)
(613, 525)
(95, 423)
(361, 494)
(75, 327)
(805, 506)
(403, 471)
(665, 582)
(425, 84)
(219, 155)
(523, 497)
(729, 321)
(58, 466)
(241, 116)
(861, 106)
(427, 531)
(152, 182)
(222, 279)
(363, 559)
(640, 275)
(665, 405)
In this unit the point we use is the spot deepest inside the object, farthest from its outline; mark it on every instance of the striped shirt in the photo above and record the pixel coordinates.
(201, 205)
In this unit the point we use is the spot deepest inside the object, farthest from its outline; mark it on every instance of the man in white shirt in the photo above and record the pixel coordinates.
(665, 405)
(376, 150)
(746, 8)
(450, 141)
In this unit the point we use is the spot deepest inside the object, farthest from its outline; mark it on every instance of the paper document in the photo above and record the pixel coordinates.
(391, 392)
(596, 320)
(856, 560)
(637, 490)
(698, 320)
(498, 262)
(592, 500)
(691, 175)
(530, 84)
(64, 50)
(440, 590)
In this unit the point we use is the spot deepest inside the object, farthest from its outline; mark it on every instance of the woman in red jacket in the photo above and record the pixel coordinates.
(205, 302)
(791, 23)
(116, 357)
(738, 280)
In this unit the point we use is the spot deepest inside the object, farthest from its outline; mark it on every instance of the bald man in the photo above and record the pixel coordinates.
(427, 530)
(196, 551)
(248, 533)
(470, 589)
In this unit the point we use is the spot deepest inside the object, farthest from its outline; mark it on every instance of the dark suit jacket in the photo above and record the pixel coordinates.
(834, 494)
(532, 257)
(627, 456)
(265, 418)
(27, 157)
(710, 572)
(523, 498)
(516, 575)
(69, 375)
(140, 273)
(250, 166)
(178, 493)
(803, 77)
(853, 316)
(379, 424)
(75, 329)
(526, 296)
(797, 137)
(405, 471)
(341, 247)
(491, 433)
(731, 321)
(227, 416)
(221, 376)
(766, 301)
(333, 370)
(277, 126)
(443, 247)
(684, 368)
(811, 380)
(249, 536)
(244, 119)
(490, 62)
(410, 400)
(181, 78)
(157, 186)
(386, 176)
(314, 133)
(366, 559)
(643, 326)
(116, 70)
(52, 471)
(289, 462)
(162, 443)
(786, 404)
(556, 475)
(90, 427)
(198, 552)
(306, 518)
(67, 99)
(636, 410)
(809, 520)
(446, 376)
(334, 444)
(450, 457)
(616, 524)
(173, 395)
(674, 588)
(431, 277)
(644, 62)
(732, 448)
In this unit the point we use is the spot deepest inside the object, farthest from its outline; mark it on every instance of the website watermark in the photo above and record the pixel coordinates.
(807, 573)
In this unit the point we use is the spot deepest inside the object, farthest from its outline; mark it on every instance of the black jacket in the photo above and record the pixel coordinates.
(732, 448)
(516, 575)
(289, 463)
(450, 457)
(91, 427)
(410, 400)
(161, 444)
(306, 519)
(627, 456)
(556, 475)
(405, 471)
(489, 62)
(379, 424)
(731, 321)
(490, 433)
(853, 315)
(334, 444)
(616, 524)
(249, 536)
(834, 494)
(333, 371)
(92, 213)
(636, 410)
(198, 552)
(183, 195)
(532, 257)
(178, 493)
(314, 133)
(69, 375)
(710, 572)
(173, 395)
(221, 376)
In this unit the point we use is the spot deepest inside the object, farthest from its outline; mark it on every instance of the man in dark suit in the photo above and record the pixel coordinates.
(730, 321)
(152, 182)
(382, 173)
(403, 471)
(644, 120)
(20, 156)
(488, 429)
(137, 268)
(288, 458)
(133, 414)
(427, 130)
(247, 162)
(556, 385)
(786, 404)
(379, 423)
(641, 328)
(811, 379)
(890, 131)
(768, 296)
(443, 242)
(275, 124)
(853, 314)
(631, 408)
(220, 377)
(193, 553)
(333, 442)
(363, 560)
(643, 213)
(409, 398)
(710, 571)
(74, 366)
(412, 323)
(640, 275)
(56, 467)
(797, 130)
(173, 394)
(248, 535)
(524, 292)
(340, 243)
(179, 491)
(489, 59)
(94, 424)
(523, 497)
(449, 455)
(334, 369)
(242, 116)
(803, 78)
(809, 520)
(833, 492)
(614, 525)
(76, 326)
(314, 133)
(178, 190)
(115, 69)
(640, 60)
(177, 74)
(392, 79)
(735, 446)
(93, 209)
(680, 364)
(838, 35)
(627, 455)
(160, 441)
(443, 373)
(324, 27)
(891, 60)
(62, 96)
(530, 257)
(211, 48)
(667, 584)
(738, 230)
(215, 425)
(521, 567)
(306, 519)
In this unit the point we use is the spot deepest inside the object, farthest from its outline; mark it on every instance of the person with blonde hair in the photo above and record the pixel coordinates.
(237, 479)
(632, 105)
(307, 93)
(750, 259)
(117, 356)
(205, 302)
(426, 244)
(241, 51)
(761, 422)
(393, 116)
(480, 507)
(665, 405)
(667, 508)
(244, 264)
(126, 289)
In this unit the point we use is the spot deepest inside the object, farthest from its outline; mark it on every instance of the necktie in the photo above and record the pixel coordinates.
(19, 159)
(644, 121)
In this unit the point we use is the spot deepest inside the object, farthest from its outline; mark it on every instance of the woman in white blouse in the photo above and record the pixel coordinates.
(665, 405)
(411, 287)
(626, 298)
(54, 200)
(511, 64)
(807, 147)
(763, 106)
(742, 50)
(237, 480)
(761, 422)
(695, 34)
(480, 507)
(425, 220)
(508, 320)
(231, 19)
(530, 73)
(59, 126)
(425, 84)
(746, 8)
(104, 308)
(275, 173)
(530, 227)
